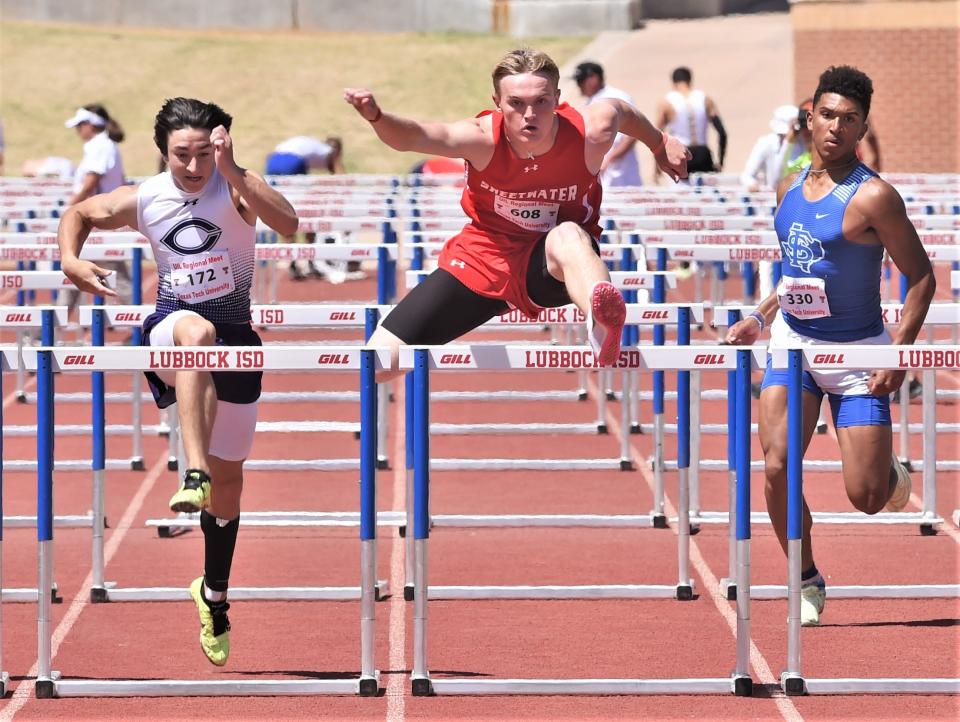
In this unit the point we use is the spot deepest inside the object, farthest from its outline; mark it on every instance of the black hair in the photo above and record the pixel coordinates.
(846, 81)
(178, 113)
(587, 69)
(682, 75)
(114, 131)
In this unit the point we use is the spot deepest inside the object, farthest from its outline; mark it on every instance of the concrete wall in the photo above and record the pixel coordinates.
(909, 48)
(706, 8)
(513, 17)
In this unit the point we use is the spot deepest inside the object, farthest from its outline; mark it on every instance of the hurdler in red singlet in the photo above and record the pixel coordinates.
(531, 242)
(513, 202)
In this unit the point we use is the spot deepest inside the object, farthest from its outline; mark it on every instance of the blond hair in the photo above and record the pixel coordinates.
(525, 60)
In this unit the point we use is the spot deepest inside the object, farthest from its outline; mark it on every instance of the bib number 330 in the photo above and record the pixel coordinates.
(803, 298)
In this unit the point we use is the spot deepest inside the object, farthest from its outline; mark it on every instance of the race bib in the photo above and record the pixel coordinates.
(202, 276)
(803, 298)
(529, 215)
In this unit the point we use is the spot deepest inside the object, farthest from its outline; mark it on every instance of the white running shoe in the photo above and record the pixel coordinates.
(901, 492)
(605, 318)
(812, 598)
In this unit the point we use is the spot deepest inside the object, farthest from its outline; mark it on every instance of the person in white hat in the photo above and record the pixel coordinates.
(769, 154)
(101, 169)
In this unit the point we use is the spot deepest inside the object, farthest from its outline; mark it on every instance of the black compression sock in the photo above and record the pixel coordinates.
(218, 545)
(804, 576)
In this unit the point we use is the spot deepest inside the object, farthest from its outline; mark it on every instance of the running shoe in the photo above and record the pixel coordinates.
(193, 494)
(901, 492)
(813, 595)
(605, 319)
(214, 625)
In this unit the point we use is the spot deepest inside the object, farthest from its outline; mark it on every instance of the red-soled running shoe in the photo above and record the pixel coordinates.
(605, 320)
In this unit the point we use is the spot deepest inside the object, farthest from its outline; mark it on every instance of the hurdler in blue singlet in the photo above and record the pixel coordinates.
(830, 289)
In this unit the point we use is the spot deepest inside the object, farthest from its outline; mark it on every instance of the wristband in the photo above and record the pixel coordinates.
(758, 317)
(662, 145)
(378, 116)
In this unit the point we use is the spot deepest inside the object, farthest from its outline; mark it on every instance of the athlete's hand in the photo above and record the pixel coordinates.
(223, 151)
(743, 333)
(672, 158)
(363, 102)
(87, 277)
(883, 383)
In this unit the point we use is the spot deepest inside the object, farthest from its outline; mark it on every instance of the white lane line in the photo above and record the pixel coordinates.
(396, 683)
(784, 704)
(24, 691)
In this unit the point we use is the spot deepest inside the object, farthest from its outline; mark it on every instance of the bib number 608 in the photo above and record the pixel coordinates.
(535, 213)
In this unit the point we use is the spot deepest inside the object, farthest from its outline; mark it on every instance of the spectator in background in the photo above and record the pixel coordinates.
(100, 171)
(298, 156)
(620, 166)
(771, 152)
(3, 147)
(684, 113)
(301, 154)
(101, 168)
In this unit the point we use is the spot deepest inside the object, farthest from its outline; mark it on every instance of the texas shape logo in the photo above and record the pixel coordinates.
(802, 249)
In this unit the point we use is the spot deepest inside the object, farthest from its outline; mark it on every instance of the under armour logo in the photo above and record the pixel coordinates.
(528, 168)
(190, 203)
(455, 262)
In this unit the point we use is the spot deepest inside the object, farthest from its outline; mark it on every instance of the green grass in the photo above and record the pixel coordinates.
(275, 85)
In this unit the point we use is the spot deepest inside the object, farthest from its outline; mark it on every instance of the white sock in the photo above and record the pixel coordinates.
(212, 596)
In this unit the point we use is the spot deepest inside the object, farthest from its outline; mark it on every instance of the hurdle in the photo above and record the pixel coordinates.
(5, 365)
(421, 361)
(939, 314)
(925, 358)
(290, 358)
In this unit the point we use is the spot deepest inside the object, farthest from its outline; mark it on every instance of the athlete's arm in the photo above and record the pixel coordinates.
(470, 139)
(257, 198)
(714, 116)
(107, 211)
(883, 208)
(605, 118)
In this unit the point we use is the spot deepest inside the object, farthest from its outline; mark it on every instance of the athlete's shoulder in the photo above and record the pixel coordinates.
(876, 197)
(786, 183)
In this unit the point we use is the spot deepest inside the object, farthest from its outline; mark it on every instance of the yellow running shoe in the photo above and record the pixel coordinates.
(193, 494)
(901, 492)
(812, 598)
(214, 625)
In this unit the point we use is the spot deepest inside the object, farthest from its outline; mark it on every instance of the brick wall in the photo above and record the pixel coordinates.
(916, 102)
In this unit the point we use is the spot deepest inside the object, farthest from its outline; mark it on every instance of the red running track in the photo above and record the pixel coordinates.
(304, 640)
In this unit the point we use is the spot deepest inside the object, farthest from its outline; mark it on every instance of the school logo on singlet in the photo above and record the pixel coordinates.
(194, 235)
(802, 249)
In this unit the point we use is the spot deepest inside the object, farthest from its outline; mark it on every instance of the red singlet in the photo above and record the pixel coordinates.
(512, 203)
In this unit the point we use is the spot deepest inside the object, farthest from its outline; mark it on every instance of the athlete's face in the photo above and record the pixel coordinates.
(190, 158)
(837, 125)
(528, 102)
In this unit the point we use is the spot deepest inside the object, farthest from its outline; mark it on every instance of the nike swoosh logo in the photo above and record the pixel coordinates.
(821, 215)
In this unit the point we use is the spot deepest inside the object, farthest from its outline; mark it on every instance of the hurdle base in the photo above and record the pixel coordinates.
(239, 594)
(47, 688)
(592, 687)
(383, 463)
(659, 520)
(602, 429)
(626, 465)
(21, 397)
(635, 429)
(4, 683)
(793, 684)
(369, 687)
(205, 688)
(99, 595)
(928, 530)
(728, 588)
(742, 685)
(169, 532)
(581, 395)
(172, 464)
(611, 395)
(684, 592)
(136, 464)
(408, 594)
(421, 687)
(821, 429)
(907, 463)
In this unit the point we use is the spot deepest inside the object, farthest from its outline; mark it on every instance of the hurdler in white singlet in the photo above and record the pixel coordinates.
(203, 247)
(689, 124)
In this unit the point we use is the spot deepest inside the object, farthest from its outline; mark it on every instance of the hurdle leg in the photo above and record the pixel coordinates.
(369, 677)
(45, 423)
(625, 463)
(635, 401)
(21, 371)
(420, 678)
(173, 440)
(601, 404)
(136, 454)
(929, 451)
(383, 426)
(743, 684)
(409, 548)
(98, 592)
(905, 423)
(694, 449)
(659, 518)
